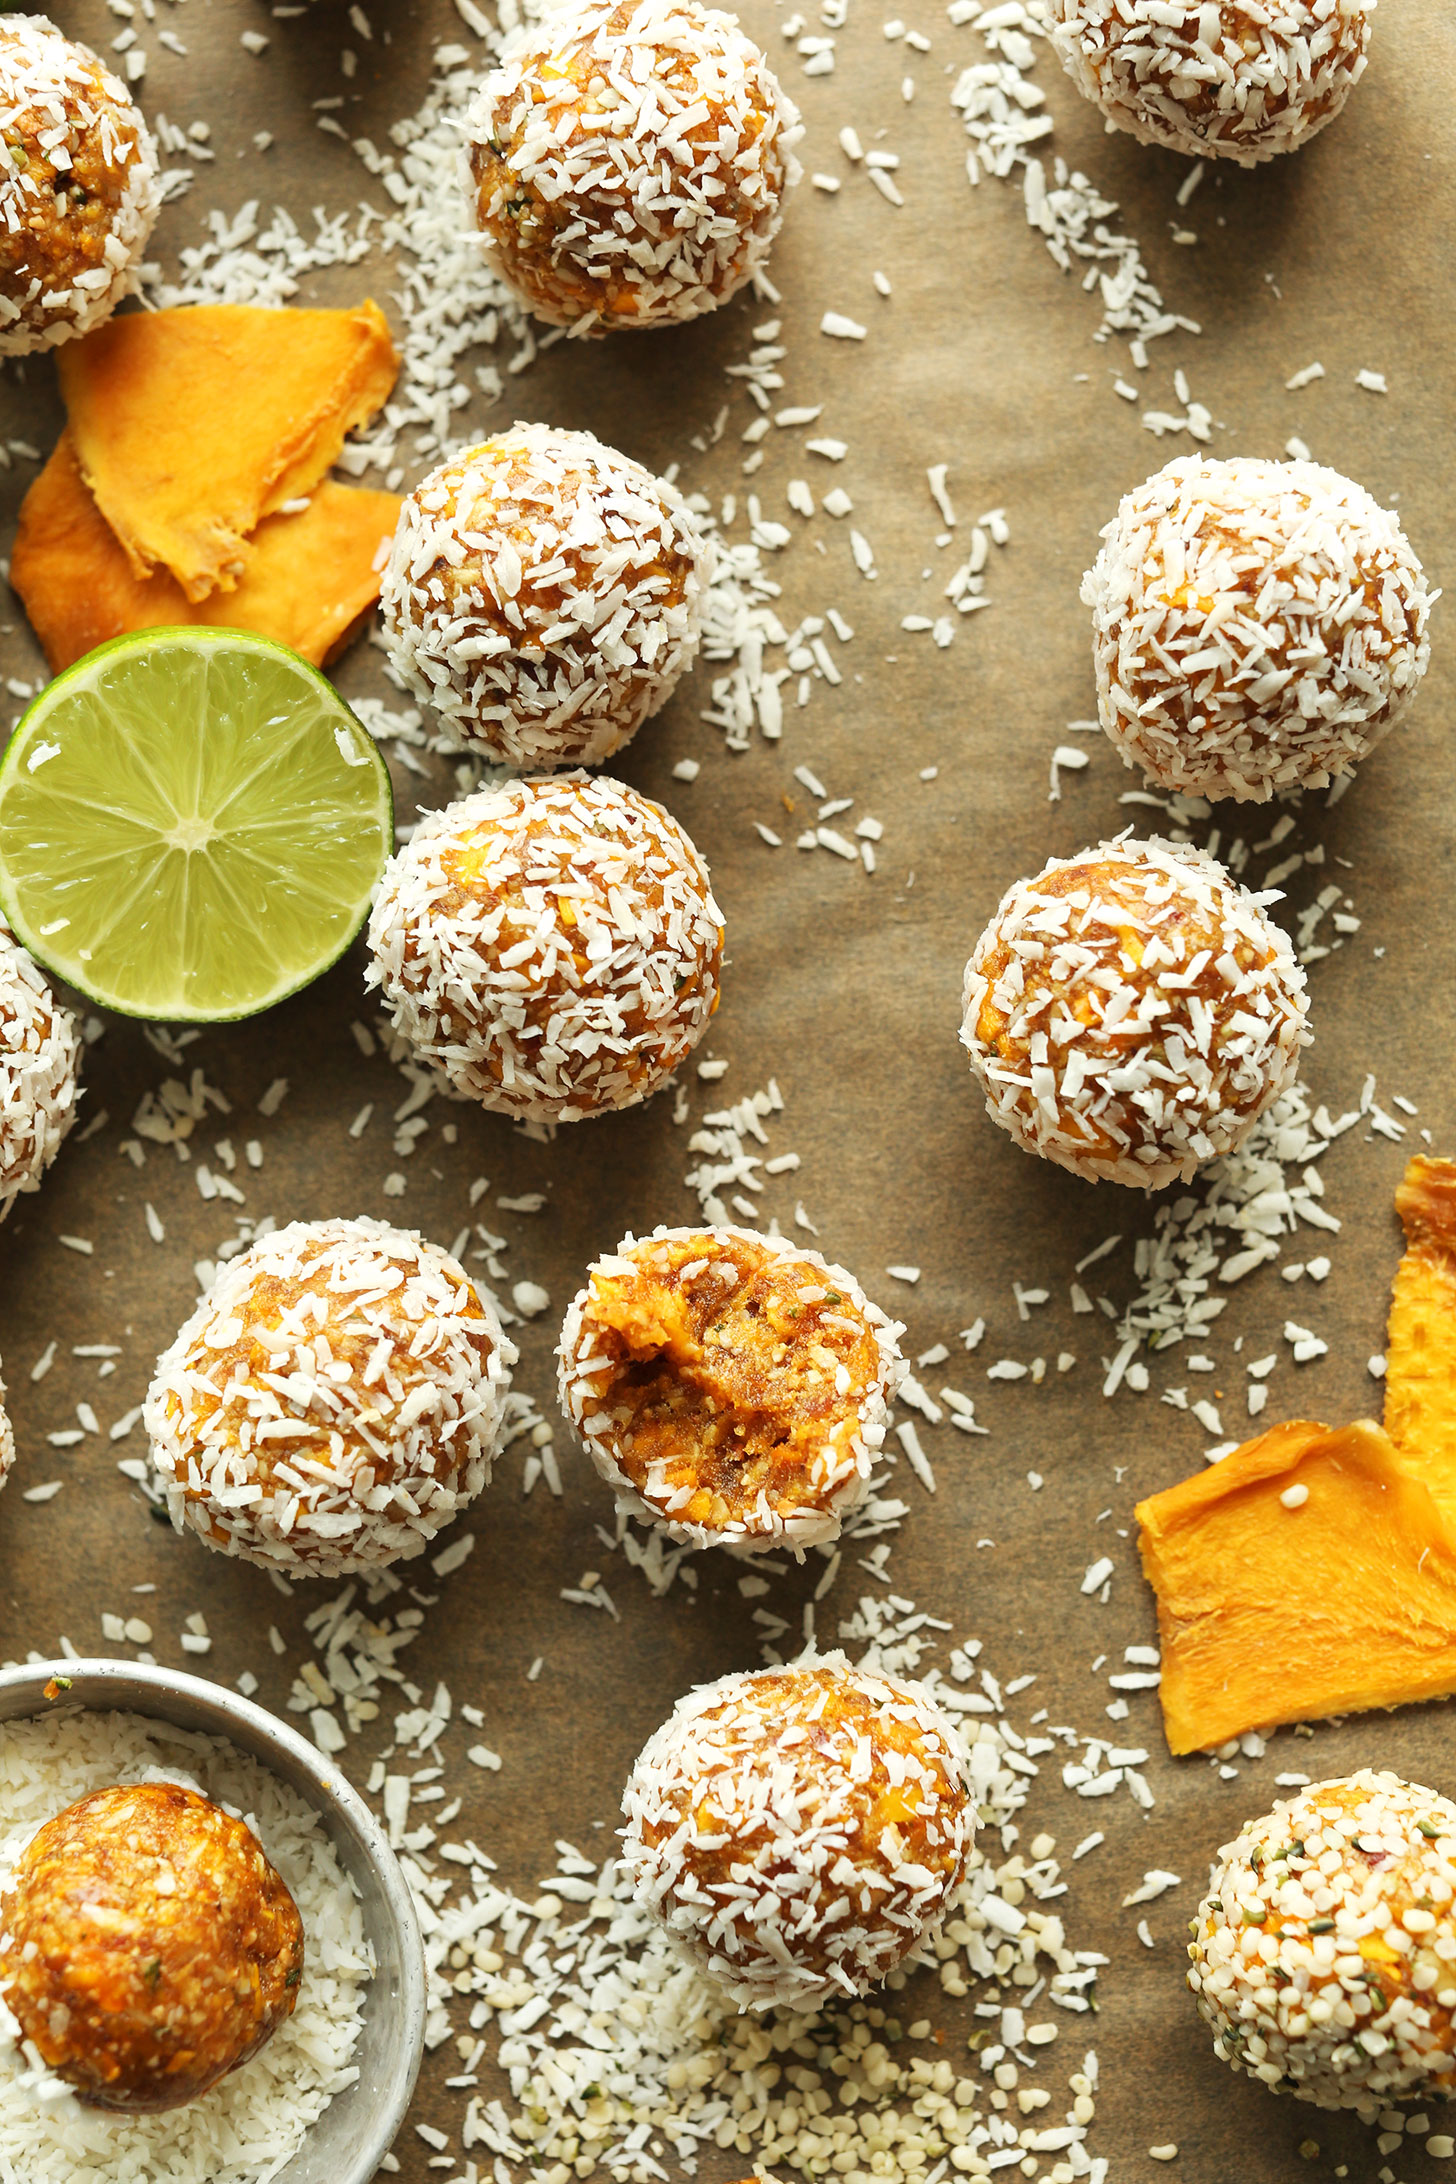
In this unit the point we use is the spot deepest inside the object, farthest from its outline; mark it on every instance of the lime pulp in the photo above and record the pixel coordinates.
(192, 824)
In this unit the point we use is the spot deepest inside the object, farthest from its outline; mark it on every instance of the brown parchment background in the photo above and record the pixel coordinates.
(844, 987)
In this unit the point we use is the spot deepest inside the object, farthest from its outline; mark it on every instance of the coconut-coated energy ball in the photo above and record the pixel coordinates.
(148, 1946)
(1227, 79)
(336, 1399)
(545, 595)
(552, 946)
(1257, 626)
(40, 1061)
(7, 1437)
(1324, 1954)
(628, 162)
(797, 1830)
(79, 190)
(1131, 1012)
(733, 1388)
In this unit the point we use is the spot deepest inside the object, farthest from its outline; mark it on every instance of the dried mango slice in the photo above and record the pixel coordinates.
(308, 580)
(191, 426)
(1420, 1349)
(1275, 1614)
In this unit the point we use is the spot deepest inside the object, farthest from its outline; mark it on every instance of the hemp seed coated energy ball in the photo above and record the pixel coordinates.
(545, 595)
(1131, 1012)
(733, 1388)
(334, 1401)
(1257, 626)
(1324, 1954)
(40, 1060)
(628, 163)
(148, 1945)
(797, 1830)
(1227, 79)
(79, 191)
(551, 945)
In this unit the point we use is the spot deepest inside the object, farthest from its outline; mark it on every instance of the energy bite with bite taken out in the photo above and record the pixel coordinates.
(334, 1401)
(1324, 1954)
(552, 946)
(40, 1060)
(147, 1946)
(798, 1830)
(79, 189)
(628, 162)
(545, 594)
(733, 1388)
(1257, 626)
(1223, 79)
(1131, 1012)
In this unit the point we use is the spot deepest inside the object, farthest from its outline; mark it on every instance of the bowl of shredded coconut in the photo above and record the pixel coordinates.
(325, 2096)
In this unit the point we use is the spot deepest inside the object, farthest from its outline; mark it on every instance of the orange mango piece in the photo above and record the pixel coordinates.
(191, 426)
(1420, 1349)
(309, 579)
(1273, 1614)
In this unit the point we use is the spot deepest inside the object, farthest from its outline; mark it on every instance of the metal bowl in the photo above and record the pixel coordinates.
(356, 2130)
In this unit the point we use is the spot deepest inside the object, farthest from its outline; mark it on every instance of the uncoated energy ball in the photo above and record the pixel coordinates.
(79, 192)
(1324, 1954)
(1227, 79)
(1131, 1012)
(1257, 626)
(629, 161)
(797, 1830)
(545, 595)
(148, 1947)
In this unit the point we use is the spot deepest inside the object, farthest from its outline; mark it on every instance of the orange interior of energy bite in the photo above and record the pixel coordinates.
(728, 1383)
(79, 178)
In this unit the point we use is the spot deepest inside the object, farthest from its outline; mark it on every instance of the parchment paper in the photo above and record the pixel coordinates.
(845, 987)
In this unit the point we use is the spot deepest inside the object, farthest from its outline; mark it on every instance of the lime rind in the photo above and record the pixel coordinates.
(192, 825)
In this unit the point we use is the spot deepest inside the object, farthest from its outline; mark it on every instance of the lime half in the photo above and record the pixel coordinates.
(192, 823)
